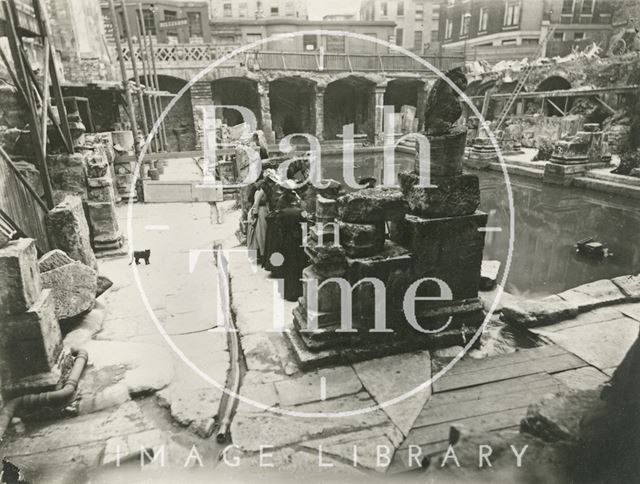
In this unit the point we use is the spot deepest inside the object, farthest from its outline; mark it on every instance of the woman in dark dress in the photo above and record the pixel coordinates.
(290, 215)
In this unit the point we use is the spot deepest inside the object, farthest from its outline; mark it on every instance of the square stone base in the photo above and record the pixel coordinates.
(30, 343)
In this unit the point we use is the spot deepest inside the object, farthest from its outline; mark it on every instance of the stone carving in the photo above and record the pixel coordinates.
(443, 107)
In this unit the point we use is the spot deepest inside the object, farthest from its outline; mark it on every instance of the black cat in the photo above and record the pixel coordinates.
(141, 254)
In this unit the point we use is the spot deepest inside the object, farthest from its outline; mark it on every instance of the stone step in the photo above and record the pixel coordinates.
(595, 184)
(612, 177)
(519, 170)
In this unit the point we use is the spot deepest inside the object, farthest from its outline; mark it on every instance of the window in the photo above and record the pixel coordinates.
(149, 22)
(399, 36)
(464, 24)
(417, 40)
(310, 42)
(383, 9)
(243, 9)
(335, 43)
(226, 10)
(448, 30)
(587, 7)
(567, 7)
(172, 34)
(195, 24)
(483, 20)
(511, 14)
(420, 12)
(400, 8)
(275, 11)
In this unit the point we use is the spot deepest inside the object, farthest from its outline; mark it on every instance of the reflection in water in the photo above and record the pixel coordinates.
(549, 220)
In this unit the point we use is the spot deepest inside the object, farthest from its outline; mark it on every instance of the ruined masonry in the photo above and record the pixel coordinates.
(30, 340)
(434, 233)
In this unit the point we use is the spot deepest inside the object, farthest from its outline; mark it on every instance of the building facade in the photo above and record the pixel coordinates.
(417, 22)
(169, 22)
(477, 27)
(255, 9)
(242, 31)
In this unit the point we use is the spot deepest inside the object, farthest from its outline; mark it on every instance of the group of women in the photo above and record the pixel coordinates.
(274, 230)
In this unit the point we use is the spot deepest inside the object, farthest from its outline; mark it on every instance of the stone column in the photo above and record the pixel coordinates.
(265, 111)
(201, 95)
(319, 111)
(378, 124)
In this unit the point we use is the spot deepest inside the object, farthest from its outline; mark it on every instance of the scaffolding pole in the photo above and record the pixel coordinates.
(123, 73)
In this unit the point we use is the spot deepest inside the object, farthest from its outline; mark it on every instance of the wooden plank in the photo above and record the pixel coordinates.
(476, 393)
(551, 364)
(439, 433)
(519, 356)
(490, 404)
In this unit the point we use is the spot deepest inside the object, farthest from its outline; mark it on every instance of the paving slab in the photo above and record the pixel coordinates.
(602, 345)
(388, 378)
(251, 430)
(338, 381)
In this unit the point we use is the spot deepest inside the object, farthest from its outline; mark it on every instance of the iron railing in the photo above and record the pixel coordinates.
(192, 55)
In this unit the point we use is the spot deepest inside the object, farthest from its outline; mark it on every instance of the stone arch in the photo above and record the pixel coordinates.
(349, 99)
(178, 123)
(292, 102)
(240, 91)
(406, 92)
(556, 83)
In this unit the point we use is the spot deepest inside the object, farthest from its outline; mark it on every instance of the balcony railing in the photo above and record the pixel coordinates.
(199, 55)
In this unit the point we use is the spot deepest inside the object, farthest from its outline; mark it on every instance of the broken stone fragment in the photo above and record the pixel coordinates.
(452, 195)
(489, 274)
(372, 205)
(74, 288)
(53, 259)
(19, 276)
(69, 231)
(362, 240)
(538, 313)
(557, 416)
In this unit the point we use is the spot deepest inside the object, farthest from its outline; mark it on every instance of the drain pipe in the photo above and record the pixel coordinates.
(223, 430)
(55, 397)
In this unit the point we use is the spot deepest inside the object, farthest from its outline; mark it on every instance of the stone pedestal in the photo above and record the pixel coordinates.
(69, 231)
(573, 157)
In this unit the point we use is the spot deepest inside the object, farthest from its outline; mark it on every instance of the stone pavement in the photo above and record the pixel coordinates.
(129, 360)
(491, 393)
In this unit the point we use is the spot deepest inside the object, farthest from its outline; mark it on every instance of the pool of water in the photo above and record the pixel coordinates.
(549, 220)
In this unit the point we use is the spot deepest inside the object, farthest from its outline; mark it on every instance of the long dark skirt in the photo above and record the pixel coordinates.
(295, 259)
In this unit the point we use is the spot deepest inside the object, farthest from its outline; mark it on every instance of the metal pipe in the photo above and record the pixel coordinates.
(55, 397)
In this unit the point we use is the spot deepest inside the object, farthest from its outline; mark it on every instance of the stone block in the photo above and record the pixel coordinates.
(446, 153)
(68, 174)
(30, 341)
(449, 249)
(361, 239)
(19, 277)
(69, 231)
(452, 196)
(103, 222)
(74, 288)
(372, 205)
(53, 259)
(101, 189)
